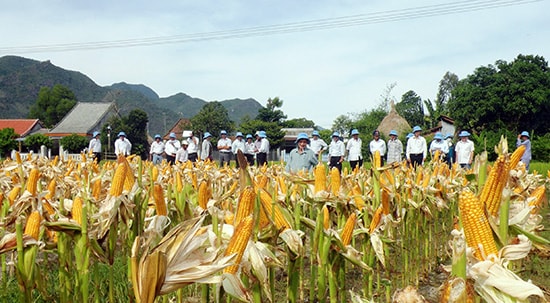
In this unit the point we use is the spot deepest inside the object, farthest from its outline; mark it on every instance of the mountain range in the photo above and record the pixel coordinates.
(21, 80)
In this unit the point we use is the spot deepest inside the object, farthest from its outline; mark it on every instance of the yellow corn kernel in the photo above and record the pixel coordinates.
(32, 227)
(335, 181)
(48, 207)
(347, 232)
(32, 182)
(320, 175)
(357, 198)
(376, 160)
(326, 217)
(179, 182)
(476, 226)
(238, 242)
(194, 180)
(204, 194)
(51, 190)
(154, 173)
(419, 177)
(516, 156)
(18, 158)
(385, 201)
(492, 190)
(229, 218)
(262, 182)
(76, 211)
(282, 185)
(160, 204)
(246, 204)
(117, 185)
(536, 198)
(273, 211)
(96, 189)
(375, 219)
(14, 193)
(55, 161)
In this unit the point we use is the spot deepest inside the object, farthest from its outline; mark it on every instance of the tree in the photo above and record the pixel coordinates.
(213, 118)
(411, 109)
(299, 123)
(74, 143)
(7, 141)
(52, 104)
(135, 127)
(35, 141)
(513, 96)
(445, 93)
(342, 124)
(272, 129)
(272, 113)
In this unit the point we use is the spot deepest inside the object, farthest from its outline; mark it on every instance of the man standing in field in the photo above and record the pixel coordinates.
(464, 150)
(416, 148)
(379, 145)
(395, 148)
(123, 145)
(336, 152)
(301, 157)
(224, 148)
(354, 150)
(523, 139)
(317, 144)
(95, 146)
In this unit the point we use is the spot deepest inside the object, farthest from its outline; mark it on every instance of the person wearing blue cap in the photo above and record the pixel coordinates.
(261, 156)
(249, 149)
(417, 148)
(123, 146)
(224, 148)
(524, 139)
(377, 144)
(439, 145)
(95, 146)
(157, 150)
(171, 148)
(395, 148)
(451, 154)
(206, 150)
(353, 148)
(238, 144)
(464, 150)
(192, 148)
(336, 152)
(301, 158)
(317, 144)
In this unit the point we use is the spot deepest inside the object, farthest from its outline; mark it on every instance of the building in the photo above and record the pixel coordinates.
(83, 119)
(23, 127)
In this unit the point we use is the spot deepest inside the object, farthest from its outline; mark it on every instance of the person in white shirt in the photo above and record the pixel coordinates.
(336, 152)
(171, 147)
(354, 150)
(438, 144)
(206, 150)
(261, 156)
(238, 144)
(156, 150)
(192, 148)
(123, 146)
(317, 145)
(417, 149)
(224, 148)
(464, 150)
(395, 148)
(379, 145)
(249, 149)
(95, 146)
(182, 154)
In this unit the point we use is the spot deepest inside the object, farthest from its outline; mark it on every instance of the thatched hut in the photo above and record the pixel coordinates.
(394, 121)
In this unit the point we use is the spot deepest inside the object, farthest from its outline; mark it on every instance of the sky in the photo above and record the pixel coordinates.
(322, 58)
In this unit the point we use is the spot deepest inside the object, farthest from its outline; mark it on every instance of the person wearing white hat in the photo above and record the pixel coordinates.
(524, 139)
(249, 149)
(182, 155)
(439, 145)
(316, 144)
(395, 148)
(377, 144)
(95, 146)
(261, 156)
(301, 158)
(464, 150)
(417, 148)
(238, 144)
(224, 148)
(123, 146)
(171, 148)
(336, 152)
(353, 148)
(157, 150)
(192, 148)
(206, 150)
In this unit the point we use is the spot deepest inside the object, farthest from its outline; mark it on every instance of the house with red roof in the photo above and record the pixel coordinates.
(23, 127)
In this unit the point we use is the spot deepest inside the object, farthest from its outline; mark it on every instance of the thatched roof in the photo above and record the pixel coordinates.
(394, 121)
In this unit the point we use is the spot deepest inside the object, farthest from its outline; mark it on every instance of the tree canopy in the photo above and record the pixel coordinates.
(52, 104)
(411, 108)
(7, 141)
(213, 118)
(135, 127)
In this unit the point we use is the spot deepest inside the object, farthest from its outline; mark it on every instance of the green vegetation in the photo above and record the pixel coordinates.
(7, 141)
(35, 141)
(74, 143)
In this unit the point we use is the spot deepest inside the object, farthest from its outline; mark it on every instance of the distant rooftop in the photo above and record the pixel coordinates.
(82, 118)
(22, 127)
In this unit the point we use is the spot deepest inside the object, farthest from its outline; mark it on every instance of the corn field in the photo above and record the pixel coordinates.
(201, 233)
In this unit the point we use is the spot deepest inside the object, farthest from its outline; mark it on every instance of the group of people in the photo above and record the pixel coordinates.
(188, 149)
(306, 155)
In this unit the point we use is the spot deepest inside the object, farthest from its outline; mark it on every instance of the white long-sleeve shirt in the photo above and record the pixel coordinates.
(378, 145)
(336, 149)
(264, 146)
(157, 147)
(416, 145)
(95, 145)
(171, 147)
(439, 145)
(237, 145)
(317, 145)
(123, 147)
(354, 149)
(193, 146)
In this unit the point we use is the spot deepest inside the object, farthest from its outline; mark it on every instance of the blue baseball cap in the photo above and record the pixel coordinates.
(354, 132)
(524, 134)
(121, 134)
(262, 134)
(223, 132)
(336, 134)
(97, 133)
(239, 134)
(409, 135)
(249, 136)
(393, 132)
(448, 136)
(157, 136)
(172, 135)
(464, 134)
(302, 136)
(416, 129)
(315, 133)
(206, 135)
(438, 136)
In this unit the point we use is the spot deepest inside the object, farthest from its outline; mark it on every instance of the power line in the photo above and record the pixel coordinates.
(286, 28)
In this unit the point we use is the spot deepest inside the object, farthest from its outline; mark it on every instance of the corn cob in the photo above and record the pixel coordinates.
(262, 182)
(55, 161)
(359, 202)
(320, 178)
(238, 243)
(18, 158)
(96, 189)
(516, 156)
(160, 204)
(129, 180)
(335, 181)
(204, 194)
(76, 211)
(246, 204)
(273, 211)
(1, 198)
(154, 173)
(51, 189)
(194, 180)
(32, 227)
(477, 231)
(536, 198)
(375, 219)
(117, 185)
(282, 185)
(32, 182)
(492, 190)
(14, 193)
(385, 201)
(326, 217)
(179, 182)
(376, 160)
(419, 177)
(347, 232)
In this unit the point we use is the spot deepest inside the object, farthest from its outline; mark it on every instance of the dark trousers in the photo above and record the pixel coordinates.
(170, 159)
(249, 159)
(353, 164)
(335, 162)
(261, 159)
(416, 159)
(97, 157)
(192, 157)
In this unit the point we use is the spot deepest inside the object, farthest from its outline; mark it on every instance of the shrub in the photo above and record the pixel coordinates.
(7, 141)
(33, 142)
(74, 143)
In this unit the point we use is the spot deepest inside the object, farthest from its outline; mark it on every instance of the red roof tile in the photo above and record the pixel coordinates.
(21, 126)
